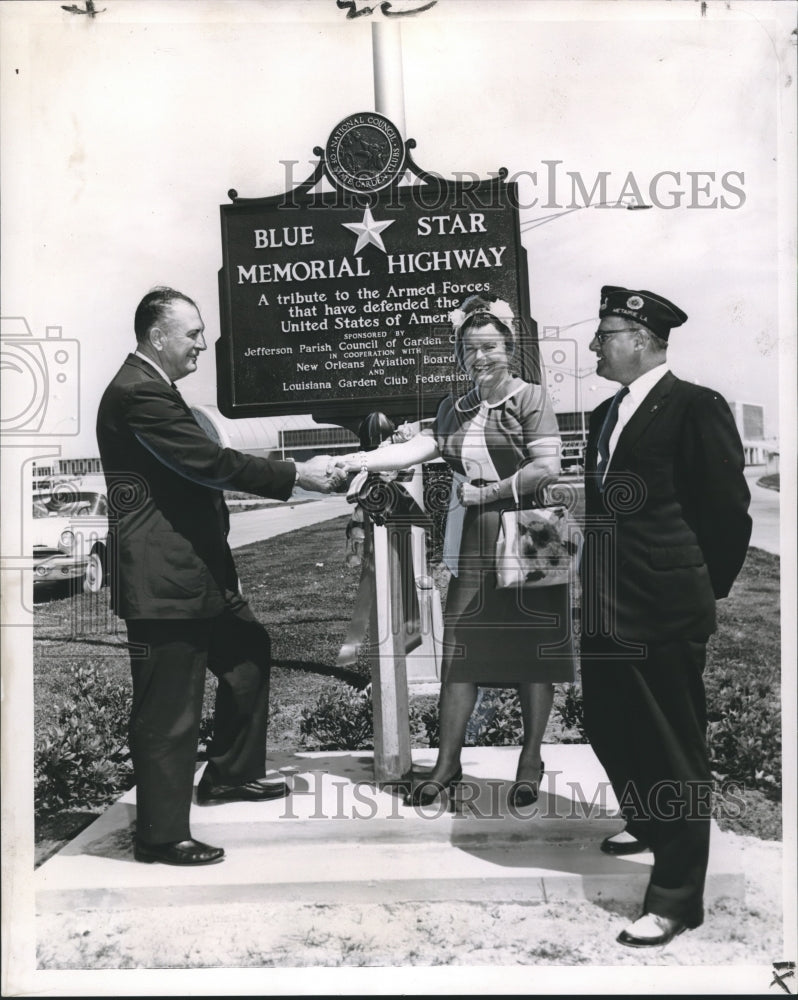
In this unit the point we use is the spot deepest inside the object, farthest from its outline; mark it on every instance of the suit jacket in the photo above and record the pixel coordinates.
(670, 531)
(168, 551)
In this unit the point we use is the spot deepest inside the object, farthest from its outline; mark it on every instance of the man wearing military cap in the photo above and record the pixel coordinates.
(667, 530)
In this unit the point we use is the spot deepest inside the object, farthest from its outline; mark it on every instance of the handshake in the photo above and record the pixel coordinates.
(326, 473)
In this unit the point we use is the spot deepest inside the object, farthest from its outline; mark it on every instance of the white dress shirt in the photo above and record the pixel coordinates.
(638, 390)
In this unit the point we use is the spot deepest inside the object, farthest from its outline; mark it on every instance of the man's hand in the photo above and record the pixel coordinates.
(320, 474)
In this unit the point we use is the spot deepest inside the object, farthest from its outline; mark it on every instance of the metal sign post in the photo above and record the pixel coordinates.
(395, 601)
(392, 759)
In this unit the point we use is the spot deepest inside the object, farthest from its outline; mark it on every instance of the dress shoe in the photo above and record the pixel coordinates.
(524, 792)
(178, 852)
(623, 843)
(652, 930)
(248, 791)
(428, 791)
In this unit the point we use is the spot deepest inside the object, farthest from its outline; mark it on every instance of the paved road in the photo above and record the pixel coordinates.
(255, 525)
(764, 512)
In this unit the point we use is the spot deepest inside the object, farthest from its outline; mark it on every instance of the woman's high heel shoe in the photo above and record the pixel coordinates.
(525, 792)
(428, 791)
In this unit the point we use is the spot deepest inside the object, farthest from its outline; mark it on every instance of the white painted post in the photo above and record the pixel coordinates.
(423, 663)
(392, 759)
(389, 90)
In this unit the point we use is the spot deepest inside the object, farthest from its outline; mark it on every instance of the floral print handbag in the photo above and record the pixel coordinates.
(537, 547)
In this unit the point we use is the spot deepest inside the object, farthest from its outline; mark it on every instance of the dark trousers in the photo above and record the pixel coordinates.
(646, 721)
(168, 670)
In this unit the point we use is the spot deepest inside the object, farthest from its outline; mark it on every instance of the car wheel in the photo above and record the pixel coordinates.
(94, 578)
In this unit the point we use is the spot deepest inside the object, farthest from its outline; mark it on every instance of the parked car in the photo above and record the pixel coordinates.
(70, 529)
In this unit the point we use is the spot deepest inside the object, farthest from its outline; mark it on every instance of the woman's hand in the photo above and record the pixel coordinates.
(404, 432)
(349, 463)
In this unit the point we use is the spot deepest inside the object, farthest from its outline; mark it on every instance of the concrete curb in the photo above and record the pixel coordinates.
(341, 838)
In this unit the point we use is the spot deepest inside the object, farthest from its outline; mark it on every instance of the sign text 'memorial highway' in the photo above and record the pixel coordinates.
(337, 303)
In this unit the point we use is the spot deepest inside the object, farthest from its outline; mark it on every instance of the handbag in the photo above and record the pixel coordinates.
(537, 547)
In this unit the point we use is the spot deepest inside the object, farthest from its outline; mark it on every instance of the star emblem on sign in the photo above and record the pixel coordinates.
(368, 231)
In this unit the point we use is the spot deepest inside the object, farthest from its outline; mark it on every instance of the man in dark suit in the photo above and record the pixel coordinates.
(174, 582)
(666, 533)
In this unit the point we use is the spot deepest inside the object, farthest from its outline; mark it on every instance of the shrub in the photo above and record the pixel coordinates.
(205, 736)
(744, 732)
(496, 720)
(571, 713)
(425, 722)
(340, 720)
(83, 760)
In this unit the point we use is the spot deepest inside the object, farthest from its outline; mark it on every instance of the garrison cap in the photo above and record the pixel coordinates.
(654, 312)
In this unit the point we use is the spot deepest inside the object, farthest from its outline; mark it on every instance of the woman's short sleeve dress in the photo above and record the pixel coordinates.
(492, 636)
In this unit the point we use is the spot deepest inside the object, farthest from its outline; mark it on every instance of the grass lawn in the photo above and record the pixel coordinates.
(299, 587)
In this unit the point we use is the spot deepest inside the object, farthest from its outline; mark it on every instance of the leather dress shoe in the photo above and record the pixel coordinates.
(248, 791)
(652, 931)
(619, 847)
(178, 852)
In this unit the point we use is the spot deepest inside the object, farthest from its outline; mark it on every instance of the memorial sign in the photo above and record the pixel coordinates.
(337, 303)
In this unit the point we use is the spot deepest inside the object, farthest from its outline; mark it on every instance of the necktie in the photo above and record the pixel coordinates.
(610, 420)
(179, 393)
(186, 407)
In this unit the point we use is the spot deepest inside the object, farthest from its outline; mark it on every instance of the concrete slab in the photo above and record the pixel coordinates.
(339, 837)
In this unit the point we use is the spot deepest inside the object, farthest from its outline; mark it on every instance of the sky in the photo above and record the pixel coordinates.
(122, 134)
(125, 132)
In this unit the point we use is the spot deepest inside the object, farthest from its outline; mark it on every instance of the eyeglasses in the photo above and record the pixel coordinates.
(602, 336)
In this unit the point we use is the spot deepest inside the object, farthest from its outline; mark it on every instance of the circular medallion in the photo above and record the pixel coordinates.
(634, 302)
(364, 152)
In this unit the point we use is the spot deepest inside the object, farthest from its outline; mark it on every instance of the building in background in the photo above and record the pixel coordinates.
(296, 436)
(750, 420)
(48, 474)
